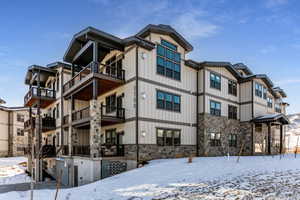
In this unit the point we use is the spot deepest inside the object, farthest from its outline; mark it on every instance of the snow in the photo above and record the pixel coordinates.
(255, 177)
(11, 172)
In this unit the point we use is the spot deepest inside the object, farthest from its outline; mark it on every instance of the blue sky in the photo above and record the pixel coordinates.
(263, 34)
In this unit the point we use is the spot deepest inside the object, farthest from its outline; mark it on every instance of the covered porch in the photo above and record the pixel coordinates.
(268, 134)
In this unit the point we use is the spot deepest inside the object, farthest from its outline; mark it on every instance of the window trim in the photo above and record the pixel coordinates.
(164, 137)
(235, 117)
(172, 94)
(236, 87)
(210, 80)
(217, 102)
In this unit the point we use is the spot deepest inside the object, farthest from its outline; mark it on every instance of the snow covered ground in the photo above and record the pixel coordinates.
(11, 172)
(260, 177)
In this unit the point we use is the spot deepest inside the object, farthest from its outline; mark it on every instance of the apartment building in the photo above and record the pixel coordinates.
(13, 139)
(124, 101)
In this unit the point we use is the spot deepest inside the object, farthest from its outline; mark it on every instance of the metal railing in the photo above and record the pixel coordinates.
(81, 150)
(108, 150)
(81, 114)
(113, 112)
(48, 123)
(28, 125)
(93, 67)
(39, 92)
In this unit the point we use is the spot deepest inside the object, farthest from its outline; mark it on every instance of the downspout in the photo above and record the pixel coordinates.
(61, 107)
(137, 103)
(197, 114)
(9, 142)
(252, 116)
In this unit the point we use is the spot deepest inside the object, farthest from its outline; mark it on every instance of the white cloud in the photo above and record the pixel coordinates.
(275, 3)
(192, 26)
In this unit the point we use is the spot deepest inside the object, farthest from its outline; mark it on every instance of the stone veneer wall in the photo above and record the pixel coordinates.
(95, 130)
(153, 151)
(224, 126)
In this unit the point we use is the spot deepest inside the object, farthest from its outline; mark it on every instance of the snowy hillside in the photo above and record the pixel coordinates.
(206, 178)
(292, 132)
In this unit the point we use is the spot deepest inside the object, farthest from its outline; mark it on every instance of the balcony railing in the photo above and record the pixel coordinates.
(48, 123)
(39, 92)
(93, 67)
(81, 150)
(48, 151)
(112, 112)
(108, 150)
(66, 120)
(81, 114)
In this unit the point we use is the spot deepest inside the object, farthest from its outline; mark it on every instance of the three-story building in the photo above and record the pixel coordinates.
(139, 98)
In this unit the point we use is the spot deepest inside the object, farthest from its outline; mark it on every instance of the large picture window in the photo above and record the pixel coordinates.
(215, 81)
(168, 137)
(258, 90)
(168, 60)
(215, 108)
(168, 101)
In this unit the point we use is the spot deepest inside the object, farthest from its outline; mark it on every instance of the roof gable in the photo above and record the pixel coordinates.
(166, 30)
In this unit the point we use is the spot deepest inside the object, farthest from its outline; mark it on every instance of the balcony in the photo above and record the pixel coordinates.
(48, 124)
(106, 150)
(46, 97)
(107, 77)
(48, 151)
(109, 115)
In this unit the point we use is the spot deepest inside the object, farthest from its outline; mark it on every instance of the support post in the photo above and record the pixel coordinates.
(269, 138)
(281, 139)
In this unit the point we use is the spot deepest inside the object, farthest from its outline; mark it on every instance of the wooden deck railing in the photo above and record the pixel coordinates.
(39, 92)
(93, 67)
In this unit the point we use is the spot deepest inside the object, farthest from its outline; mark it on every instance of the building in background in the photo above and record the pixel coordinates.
(13, 139)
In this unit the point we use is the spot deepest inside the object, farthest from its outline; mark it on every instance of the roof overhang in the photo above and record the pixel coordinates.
(244, 68)
(226, 65)
(165, 30)
(263, 77)
(45, 73)
(105, 40)
(280, 91)
(272, 118)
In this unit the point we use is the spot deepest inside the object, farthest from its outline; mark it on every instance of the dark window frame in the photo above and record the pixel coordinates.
(232, 87)
(20, 132)
(259, 90)
(170, 63)
(112, 139)
(164, 140)
(214, 111)
(111, 103)
(20, 117)
(270, 102)
(215, 139)
(214, 83)
(164, 103)
(232, 112)
(232, 140)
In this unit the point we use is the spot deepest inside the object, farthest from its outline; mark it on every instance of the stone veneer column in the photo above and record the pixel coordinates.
(95, 128)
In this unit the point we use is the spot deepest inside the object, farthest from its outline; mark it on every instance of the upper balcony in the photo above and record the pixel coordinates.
(81, 85)
(109, 115)
(35, 94)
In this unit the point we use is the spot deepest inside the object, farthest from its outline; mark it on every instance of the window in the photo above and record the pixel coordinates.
(232, 112)
(277, 107)
(232, 87)
(258, 128)
(258, 90)
(215, 108)
(215, 81)
(20, 118)
(270, 102)
(232, 140)
(168, 137)
(111, 137)
(215, 139)
(265, 92)
(110, 102)
(57, 110)
(168, 60)
(168, 101)
(20, 132)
